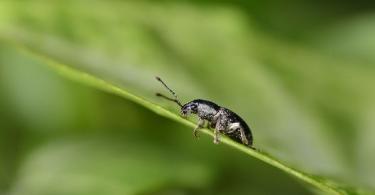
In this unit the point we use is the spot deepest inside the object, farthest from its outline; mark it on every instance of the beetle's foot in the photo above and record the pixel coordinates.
(216, 139)
(244, 141)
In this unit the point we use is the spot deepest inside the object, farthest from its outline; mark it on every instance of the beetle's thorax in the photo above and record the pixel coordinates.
(203, 108)
(206, 111)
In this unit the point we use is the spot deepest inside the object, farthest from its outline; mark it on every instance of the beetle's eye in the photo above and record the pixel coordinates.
(194, 107)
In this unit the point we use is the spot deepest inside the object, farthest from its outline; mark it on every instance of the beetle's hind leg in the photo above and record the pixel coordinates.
(243, 136)
(237, 127)
(196, 129)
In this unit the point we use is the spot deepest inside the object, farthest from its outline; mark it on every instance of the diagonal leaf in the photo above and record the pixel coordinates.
(320, 183)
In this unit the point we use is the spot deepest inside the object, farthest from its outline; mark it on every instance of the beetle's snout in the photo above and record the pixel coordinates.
(184, 113)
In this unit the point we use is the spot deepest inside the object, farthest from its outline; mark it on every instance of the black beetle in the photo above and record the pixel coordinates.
(221, 119)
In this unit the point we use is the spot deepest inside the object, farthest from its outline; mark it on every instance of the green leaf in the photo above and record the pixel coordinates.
(305, 108)
(130, 47)
(320, 183)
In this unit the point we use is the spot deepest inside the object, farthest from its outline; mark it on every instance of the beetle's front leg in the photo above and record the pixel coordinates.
(200, 125)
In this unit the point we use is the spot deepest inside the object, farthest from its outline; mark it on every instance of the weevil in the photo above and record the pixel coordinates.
(222, 120)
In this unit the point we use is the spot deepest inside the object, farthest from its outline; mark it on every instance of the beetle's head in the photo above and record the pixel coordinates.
(189, 108)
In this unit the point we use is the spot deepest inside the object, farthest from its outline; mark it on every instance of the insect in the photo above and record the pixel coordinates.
(223, 120)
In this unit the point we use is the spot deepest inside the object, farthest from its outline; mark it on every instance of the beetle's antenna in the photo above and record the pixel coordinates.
(171, 99)
(170, 90)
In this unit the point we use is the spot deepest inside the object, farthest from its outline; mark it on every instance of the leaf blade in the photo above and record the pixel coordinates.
(98, 83)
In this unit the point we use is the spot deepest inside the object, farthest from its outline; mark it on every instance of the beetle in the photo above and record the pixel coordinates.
(222, 120)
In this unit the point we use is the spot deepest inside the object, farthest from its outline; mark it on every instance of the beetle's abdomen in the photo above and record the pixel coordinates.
(234, 119)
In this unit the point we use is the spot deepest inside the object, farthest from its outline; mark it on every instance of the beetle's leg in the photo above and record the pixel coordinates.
(231, 130)
(237, 127)
(216, 136)
(200, 125)
(243, 136)
(212, 123)
(220, 127)
(216, 117)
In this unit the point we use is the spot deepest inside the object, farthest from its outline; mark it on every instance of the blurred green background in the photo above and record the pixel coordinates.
(301, 73)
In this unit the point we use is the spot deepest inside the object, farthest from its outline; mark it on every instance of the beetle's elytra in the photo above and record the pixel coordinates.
(222, 120)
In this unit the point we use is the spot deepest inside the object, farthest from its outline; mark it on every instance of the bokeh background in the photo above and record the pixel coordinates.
(301, 73)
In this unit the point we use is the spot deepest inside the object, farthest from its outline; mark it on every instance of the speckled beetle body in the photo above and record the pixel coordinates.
(222, 120)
